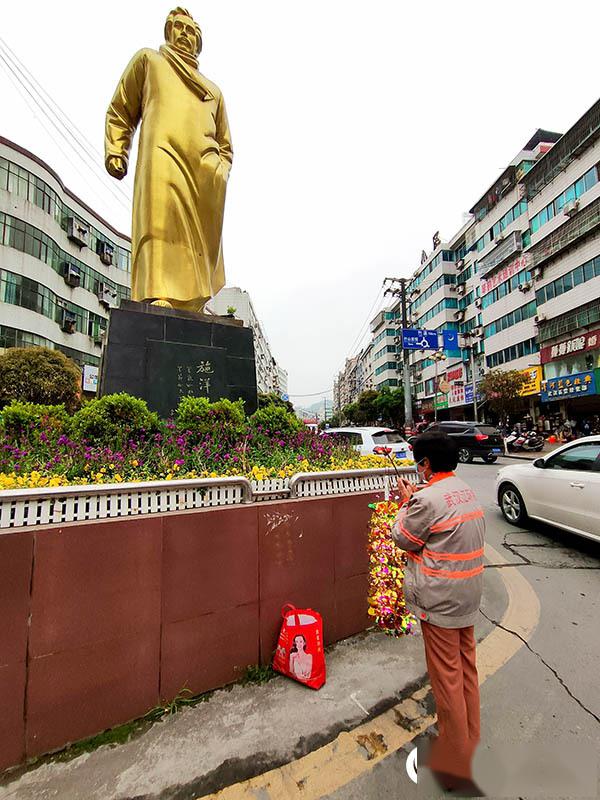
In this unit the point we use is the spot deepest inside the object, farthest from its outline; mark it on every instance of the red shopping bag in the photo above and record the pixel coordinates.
(299, 653)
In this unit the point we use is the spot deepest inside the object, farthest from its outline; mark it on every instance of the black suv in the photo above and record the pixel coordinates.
(473, 439)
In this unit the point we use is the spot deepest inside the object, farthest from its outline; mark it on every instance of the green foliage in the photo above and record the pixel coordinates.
(502, 390)
(258, 675)
(231, 309)
(335, 420)
(272, 398)
(21, 419)
(113, 420)
(39, 375)
(390, 405)
(275, 419)
(201, 417)
(372, 408)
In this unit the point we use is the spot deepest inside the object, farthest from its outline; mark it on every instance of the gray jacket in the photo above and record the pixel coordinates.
(442, 530)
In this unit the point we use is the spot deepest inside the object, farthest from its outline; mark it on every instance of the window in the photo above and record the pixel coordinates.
(387, 437)
(582, 457)
(565, 283)
(347, 437)
(25, 184)
(24, 237)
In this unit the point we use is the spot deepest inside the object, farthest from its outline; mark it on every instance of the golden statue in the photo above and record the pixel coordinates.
(183, 164)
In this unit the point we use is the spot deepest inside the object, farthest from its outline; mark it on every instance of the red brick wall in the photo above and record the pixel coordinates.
(101, 621)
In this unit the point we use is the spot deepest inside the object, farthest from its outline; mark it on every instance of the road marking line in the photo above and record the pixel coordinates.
(356, 752)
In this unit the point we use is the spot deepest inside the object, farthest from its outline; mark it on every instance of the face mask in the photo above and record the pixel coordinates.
(421, 469)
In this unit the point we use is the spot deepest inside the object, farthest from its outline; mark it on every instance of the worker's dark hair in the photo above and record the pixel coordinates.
(439, 448)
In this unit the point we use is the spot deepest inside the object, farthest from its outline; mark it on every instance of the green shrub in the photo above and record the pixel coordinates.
(275, 419)
(201, 417)
(113, 420)
(39, 375)
(21, 419)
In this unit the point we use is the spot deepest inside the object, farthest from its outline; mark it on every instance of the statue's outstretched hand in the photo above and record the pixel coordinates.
(116, 167)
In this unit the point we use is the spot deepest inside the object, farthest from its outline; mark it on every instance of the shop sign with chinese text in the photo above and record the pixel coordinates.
(580, 384)
(534, 381)
(576, 344)
(456, 378)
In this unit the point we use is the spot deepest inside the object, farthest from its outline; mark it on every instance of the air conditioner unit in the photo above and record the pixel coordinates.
(106, 252)
(524, 287)
(460, 263)
(460, 314)
(68, 321)
(100, 336)
(418, 376)
(478, 302)
(107, 295)
(539, 318)
(571, 208)
(77, 231)
(476, 331)
(460, 288)
(71, 274)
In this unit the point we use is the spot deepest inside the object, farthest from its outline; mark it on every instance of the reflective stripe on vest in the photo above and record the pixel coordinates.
(445, 573)
(448, 524)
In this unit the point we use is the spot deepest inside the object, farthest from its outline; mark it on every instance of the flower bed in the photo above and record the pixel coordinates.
(43, 447)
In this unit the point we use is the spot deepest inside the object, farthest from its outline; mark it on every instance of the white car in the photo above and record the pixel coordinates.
(365, 440)
(562, 488)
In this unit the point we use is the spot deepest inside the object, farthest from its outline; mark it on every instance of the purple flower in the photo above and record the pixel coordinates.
(179, 461)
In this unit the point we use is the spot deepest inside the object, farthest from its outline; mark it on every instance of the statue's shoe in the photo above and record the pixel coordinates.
(161, 303)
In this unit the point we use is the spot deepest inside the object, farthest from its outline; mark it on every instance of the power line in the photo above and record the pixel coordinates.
(312, 394)
(362, 330)
(26, 85)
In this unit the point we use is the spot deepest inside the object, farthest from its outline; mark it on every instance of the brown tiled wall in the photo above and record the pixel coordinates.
(99, 622)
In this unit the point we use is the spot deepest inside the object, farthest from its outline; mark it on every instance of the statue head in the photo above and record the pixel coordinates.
(182, 32)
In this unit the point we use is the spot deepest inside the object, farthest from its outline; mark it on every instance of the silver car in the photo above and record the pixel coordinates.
(562, 488)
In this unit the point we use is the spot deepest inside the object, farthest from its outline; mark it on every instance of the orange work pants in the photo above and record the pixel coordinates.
(450, 655)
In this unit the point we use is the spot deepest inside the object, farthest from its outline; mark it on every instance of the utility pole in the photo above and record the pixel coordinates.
(470, 345)
(401, 292)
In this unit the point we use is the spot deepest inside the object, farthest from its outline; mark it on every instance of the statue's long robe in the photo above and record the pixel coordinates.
(183, 164)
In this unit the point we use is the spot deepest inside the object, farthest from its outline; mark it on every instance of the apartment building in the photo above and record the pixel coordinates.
(62, 267)
(270, 377)
(519, 283)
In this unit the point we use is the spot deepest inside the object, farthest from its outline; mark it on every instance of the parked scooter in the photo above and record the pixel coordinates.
(529, 440)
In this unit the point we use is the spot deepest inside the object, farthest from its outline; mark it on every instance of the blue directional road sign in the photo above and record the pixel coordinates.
(450, 340)
(413, 339)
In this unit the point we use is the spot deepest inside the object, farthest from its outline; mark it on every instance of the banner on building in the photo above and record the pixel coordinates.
(522, 262)
(90, 378)
(580, 384)
(456, 378)
(534, 381)
(576, 344)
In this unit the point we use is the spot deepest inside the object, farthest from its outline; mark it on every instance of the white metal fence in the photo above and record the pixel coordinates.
(30, 507)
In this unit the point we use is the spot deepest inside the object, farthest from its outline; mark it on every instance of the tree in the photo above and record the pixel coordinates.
(39, 375)
(390, 403)
(501, 390)
(272, 398)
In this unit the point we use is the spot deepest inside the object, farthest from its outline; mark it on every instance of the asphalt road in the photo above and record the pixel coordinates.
(547, 697)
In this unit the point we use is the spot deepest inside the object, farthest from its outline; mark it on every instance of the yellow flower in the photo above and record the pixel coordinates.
(135, 463)
(118, 478)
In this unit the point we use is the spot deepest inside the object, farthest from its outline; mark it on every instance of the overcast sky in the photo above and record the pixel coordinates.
(359, 129)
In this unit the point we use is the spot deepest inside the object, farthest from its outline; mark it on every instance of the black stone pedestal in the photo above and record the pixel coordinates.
(163, 354)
